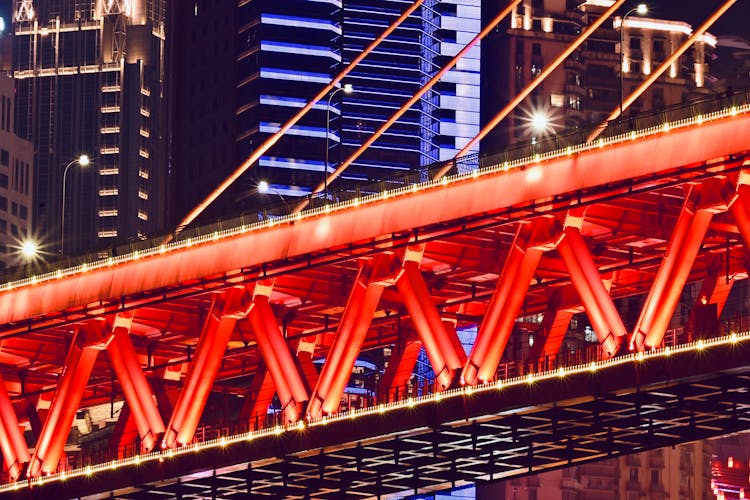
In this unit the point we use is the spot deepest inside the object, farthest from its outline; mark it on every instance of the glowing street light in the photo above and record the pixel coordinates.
(348, 89)
(641, 9)
(29, 249)
(83, 161)
(540, 122)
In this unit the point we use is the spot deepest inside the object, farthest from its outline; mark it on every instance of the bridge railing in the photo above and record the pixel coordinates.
(523, 152)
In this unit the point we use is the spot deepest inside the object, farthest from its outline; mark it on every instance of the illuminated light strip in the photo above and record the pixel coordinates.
(375, 197)
(411, 402)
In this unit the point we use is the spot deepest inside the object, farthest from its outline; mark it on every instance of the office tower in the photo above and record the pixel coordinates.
(586, 87)
(16, 182)
(90, 79)
(286, 52)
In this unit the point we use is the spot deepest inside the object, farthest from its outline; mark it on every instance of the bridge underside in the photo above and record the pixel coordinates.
(485, 435)
(190, 332)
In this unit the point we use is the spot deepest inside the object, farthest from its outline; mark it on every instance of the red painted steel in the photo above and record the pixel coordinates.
(278, 360)
(399, 370)
(440, 349)
(135, 387)
(506, 302)
(656, 153)
(588, 283)
(664, 295)
(12, 443)
(78, 365)
(258, 398)
(220, 323)
(360, 308)
(268, 143)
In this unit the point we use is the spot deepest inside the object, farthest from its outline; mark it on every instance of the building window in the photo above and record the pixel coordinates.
(4, 157)
(557, 100)
(14, 230)
(633, 474)
(655, 477)
(536, 49)
(635, 43)
(14, 208)
(3, 227)
(24, 212)
(3, 203)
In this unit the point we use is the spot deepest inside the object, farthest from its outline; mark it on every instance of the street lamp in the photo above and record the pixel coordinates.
(641, 9)
(348, 89)
(83, 161)
(29, 250)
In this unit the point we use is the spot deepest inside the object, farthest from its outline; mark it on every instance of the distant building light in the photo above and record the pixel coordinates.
(2, 24)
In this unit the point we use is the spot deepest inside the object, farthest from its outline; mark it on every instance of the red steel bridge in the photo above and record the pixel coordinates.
(204, 334)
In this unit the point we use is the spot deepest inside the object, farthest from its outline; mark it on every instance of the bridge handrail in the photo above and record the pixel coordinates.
(559, 145)
(226, 434)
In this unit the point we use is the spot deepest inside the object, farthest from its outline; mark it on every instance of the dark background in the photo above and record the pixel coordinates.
(735, 22)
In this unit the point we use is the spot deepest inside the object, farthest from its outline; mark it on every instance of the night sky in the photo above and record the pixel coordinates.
(734, 22)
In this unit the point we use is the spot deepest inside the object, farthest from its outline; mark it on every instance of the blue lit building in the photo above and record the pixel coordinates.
(285, 52)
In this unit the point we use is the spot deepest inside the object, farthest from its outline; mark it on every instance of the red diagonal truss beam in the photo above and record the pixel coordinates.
(220, 322)
(506, 301)
(12, 443)
(374, 275)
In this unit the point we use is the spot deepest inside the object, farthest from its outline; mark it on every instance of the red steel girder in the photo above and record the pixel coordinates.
(585, 277)
(506, 302)
(277, 357)
(700, 205)
(445, 359)
(56, 428)
(374, 275)
(135, 387)
(12, 443)
(226, 309)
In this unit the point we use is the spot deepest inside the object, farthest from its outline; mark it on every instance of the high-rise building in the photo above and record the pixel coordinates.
(16, 181)
(286, 51)
(585, 89)
(90, 78)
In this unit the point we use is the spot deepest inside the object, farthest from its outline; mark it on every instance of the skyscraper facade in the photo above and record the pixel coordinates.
(286, 51)
(90, 79)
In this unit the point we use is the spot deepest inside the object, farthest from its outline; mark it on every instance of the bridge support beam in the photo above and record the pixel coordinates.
(305, 352)
(278, 359)
(554, 327)
(445, 359)
(135, 387)
(360, 308)
(56, 428)
(12, 443)
(225, 311)
(507, 300)
(400, 368)
(585, 277)
(700, 205)
(258, 399)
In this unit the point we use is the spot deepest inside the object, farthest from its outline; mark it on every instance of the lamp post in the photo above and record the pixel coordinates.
(641, 9)
(348, 89)
(83, 161)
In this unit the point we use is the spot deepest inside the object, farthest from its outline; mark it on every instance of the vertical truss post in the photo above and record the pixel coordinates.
(585, 277)
(700, 205)
(305, 351)
(135, 387)
(258, 398)
(360, 308)
(12, 443)
(220, 322)
(78, 365)
(276, 355)
(440, 348)
(739, 207)
(507, 300)
(400, 367)
(554, 326)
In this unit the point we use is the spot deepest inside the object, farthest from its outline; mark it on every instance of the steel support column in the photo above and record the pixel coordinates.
(355, 321)
(278, 359)
(135, 387)
(56, 428)
(12, 443)
(585, 277)
(400, 368)
(305, 351)
(682, 250)
(506, 301)
(220, 322)
(446, 361)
